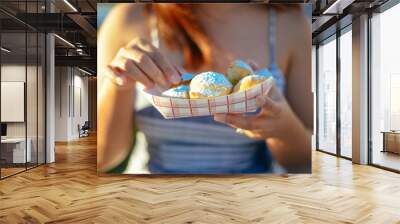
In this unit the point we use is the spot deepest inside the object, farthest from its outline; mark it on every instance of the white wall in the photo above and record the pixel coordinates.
(12, 73)
(13, 100)
(80, 100)
(33, 126)
(61, 103)
(71, 94)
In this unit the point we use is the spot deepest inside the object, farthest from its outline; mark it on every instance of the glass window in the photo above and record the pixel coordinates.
(327, 96)
(22, 91)
(346, 93)
(385, 89)
(314, 74)
(41, 98)
(31, 100)
(15, 150)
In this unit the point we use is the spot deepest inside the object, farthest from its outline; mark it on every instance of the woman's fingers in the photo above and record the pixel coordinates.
(146, 65)
(168, 70)
(250, 134)
(118, 77)
(254, 126)
(113, 74)
(128, 70)
(140, 76)
(142, 62)
(268, 106)
(180, 70)
(239, 121)
(253, 64)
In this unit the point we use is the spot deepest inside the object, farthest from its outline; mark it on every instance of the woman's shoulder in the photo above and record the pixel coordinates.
(295, 19)
(125, 16)
(294, 26)
(126, 13)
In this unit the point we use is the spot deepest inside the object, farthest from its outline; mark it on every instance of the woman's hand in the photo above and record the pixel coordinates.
(141, 62)
(275, 119)
(287, 138)
(137, 62)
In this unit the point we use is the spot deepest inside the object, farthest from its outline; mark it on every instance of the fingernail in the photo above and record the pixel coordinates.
(164, 83)
(175, 79)
(239, 131)
(180, 69)
(120, 80)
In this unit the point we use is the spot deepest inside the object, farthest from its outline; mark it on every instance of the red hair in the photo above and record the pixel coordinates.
(179, 27)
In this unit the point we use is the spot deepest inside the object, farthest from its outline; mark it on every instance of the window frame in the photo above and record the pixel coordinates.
(29, 29)
(333, 37)
(378, 10)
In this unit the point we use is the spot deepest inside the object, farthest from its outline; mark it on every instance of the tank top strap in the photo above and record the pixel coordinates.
(154, 36)
(272, 30)
(272, 40)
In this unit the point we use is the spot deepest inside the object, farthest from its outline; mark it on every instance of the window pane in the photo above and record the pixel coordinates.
(31, 97)
(345, 94)
(41, 98)
(327, 96)
(314, 77)
(15, 150)
(386, 89)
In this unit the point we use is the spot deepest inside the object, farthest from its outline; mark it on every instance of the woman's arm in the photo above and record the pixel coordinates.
(134, 60)
(286, 124)
(299, 84)
(294, 152)
(277, 124)
(114, 136)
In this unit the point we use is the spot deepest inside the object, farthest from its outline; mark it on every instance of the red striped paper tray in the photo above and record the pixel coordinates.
(241, 102)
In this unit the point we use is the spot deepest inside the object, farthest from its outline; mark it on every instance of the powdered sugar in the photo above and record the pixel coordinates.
(210, 84)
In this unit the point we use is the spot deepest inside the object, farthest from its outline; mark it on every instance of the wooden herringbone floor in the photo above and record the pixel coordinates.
(69, 191)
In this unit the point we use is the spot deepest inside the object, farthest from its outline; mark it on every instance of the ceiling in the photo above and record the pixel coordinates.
(72, 20)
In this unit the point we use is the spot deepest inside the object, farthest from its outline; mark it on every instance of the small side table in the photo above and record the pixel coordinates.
(14, 150)
(391, 141)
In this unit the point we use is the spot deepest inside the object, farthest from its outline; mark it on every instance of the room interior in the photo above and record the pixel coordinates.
(334, 71)
(48, 127)
(28, 100)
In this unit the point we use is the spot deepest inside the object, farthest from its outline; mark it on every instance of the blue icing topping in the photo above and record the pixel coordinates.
(182, 88)
(263, 72)
(242, 64)
(179, 91)
(187, 76)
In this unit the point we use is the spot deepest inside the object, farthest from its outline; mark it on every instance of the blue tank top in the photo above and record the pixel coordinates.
(199, 145)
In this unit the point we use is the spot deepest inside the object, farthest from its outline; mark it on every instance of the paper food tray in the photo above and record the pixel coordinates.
(241, 102)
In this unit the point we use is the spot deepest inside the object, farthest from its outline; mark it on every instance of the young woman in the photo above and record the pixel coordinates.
(150, 43)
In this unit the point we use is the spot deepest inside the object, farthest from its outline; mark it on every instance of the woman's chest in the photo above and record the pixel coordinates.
(244, 36)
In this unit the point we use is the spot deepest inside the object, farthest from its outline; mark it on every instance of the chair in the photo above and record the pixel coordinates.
(84, 130)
